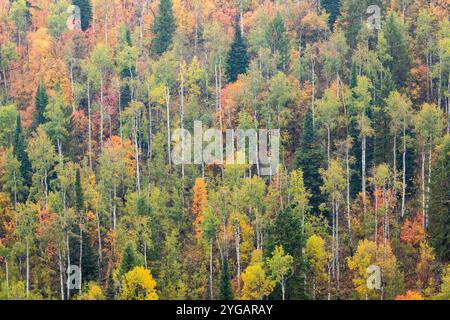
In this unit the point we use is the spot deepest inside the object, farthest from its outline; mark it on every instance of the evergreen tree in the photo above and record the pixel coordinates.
(163, 28)
(309, 158)
(40, 103)
(21, 154)
(333, 8)
(286, 230)
(225, 291)
(440, 202)
(111, 292)
(397, 48)
(129, 260)
(278, 41)
(85, 12)
(238, 60)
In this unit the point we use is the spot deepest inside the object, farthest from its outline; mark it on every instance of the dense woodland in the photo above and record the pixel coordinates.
(86, 177)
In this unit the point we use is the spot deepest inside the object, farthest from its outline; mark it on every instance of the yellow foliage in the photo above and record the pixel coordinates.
(138, 284)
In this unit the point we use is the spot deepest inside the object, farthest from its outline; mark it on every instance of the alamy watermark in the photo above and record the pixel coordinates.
(374, 21)
(74, 19)
(260, 147)
(74, 277)
(374, 279)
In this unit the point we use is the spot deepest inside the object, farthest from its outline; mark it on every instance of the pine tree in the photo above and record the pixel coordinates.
(309, 158)
(440, 202)
(128, 260)
(397, 48)
(111, 292)
(40, 103)
(85, 12)
(238, 60)
(333, 8)
(21, 154)
(163, 28)
(277, 37)
(225, 292)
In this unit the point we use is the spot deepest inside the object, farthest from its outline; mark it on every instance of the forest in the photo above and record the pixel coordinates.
(93, 207)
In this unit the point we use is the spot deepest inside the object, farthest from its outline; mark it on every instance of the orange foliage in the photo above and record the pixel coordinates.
(199, 204)
(410, 295)
(413, 232)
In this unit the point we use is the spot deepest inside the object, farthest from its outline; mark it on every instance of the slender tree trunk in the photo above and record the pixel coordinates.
(89, 124)
(61, 273)
(211, 295)
(81, 258)
(7, 277)
(363, 160)
(404, 172)
(28, 267)
(237, 237)
(168, 124)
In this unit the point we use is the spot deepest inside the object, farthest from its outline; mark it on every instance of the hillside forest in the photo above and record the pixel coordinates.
(92, 207)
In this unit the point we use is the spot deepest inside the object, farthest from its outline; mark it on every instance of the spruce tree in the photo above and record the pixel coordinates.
(225, 292)
(129, 260)
(238, 60)
(309, 158)
(40, 103)
(111, 288)
(278, 41)
(333, 8)
(440, 202)
(85, 12)
(163, 28)
(397, 48)
(20, 153)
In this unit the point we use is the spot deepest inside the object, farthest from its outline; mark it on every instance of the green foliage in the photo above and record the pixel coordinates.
(237, 60)
(225, 290)
(163, 28)
(40, 105)
(309, 158)
(439, 201)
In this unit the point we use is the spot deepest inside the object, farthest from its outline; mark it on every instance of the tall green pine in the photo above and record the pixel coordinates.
(333, 8)
(163, 28)
(21, 154)
(40, 103)
(225, 291)
(440, 202)
(238, 60)
(310, 159)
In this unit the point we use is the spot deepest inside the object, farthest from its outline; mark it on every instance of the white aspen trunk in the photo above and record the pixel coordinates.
(89, 124)
(423, 187)
(81, 258)
(100, 255)
(68, 262)
(349, 219)
(7, 277)
(101, 113)
(395, 157)
(28, 267)
(328, 145)
(168, 124)
(363, 160)
(61, 273)
(238, 254)
(211, 272)
(136, 155)
(182, 120)
(376, 215)
(428, 186)
(404, 172)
